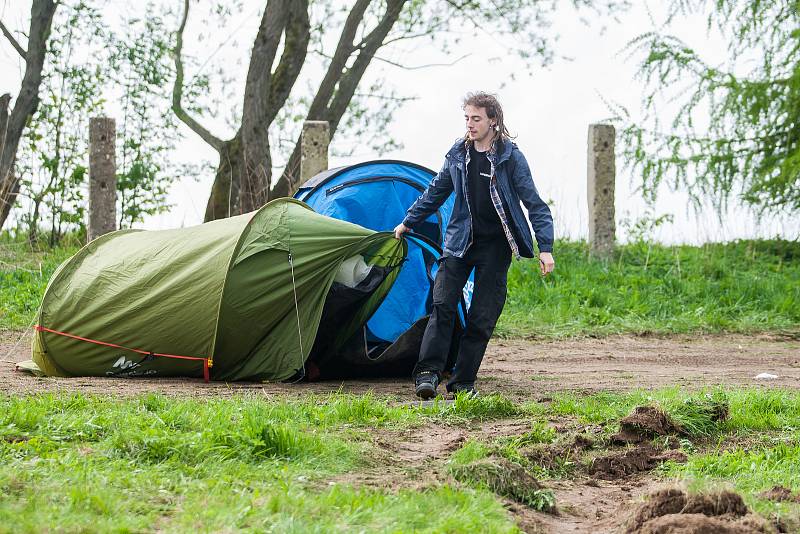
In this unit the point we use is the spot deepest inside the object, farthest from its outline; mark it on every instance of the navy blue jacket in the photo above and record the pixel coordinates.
(515, 184)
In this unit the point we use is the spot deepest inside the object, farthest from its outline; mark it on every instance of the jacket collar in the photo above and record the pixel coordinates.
(498, 153)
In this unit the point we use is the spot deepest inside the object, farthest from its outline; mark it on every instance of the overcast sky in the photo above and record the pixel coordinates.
(548, 110)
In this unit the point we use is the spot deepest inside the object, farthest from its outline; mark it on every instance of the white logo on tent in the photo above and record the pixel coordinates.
(122, 363)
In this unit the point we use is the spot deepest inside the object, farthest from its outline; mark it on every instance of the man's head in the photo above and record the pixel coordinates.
(484, 117)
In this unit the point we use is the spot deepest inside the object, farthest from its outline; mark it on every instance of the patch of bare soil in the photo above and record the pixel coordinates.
(780, 494)
(525, 369)
(552, 456)
(588, 506)
(521, 370)
(411, 458)
(429, 443)
(499, 428)
(672, 510)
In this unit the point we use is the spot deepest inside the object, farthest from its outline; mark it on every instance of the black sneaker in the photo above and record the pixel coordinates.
(425, 384)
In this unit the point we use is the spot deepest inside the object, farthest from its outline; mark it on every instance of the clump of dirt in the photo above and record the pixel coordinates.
(553, 456)
(721, 503)
(636, 460)
(672, 510)
(662, 502)
(507, 479)
(780, 494)
(701, 524)
(645, 423)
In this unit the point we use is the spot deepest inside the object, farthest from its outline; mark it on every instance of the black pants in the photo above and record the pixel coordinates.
(490, 261)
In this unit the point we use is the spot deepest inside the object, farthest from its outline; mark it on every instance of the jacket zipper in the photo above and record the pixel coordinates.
(465, 183)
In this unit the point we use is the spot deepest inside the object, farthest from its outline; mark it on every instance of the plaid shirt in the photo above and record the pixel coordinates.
(495, 195)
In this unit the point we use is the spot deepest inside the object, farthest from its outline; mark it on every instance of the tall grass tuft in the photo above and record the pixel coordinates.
(466, 406)
(701, 415)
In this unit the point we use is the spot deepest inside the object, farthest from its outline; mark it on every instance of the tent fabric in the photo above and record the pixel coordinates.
(377, 194)
(230, 291)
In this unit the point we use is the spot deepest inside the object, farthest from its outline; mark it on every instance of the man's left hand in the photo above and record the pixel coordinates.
(546, 263)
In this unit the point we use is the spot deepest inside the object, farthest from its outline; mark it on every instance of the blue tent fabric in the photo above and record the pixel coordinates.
(376, 195)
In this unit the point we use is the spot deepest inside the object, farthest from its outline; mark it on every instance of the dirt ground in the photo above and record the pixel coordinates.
(521, 370)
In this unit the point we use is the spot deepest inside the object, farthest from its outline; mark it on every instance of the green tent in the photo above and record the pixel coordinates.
(239, 299)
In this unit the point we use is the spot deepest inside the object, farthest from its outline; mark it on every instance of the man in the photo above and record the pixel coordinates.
(490, 177)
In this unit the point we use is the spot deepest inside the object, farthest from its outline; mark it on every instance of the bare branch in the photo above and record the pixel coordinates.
(424, 66)
(294, 53)
(341, 82)
(350, 79)
(14, 42)
(461, 8)
(318, 109)
(408, 36)
(390, 98)
(338, 62)
(177, 90)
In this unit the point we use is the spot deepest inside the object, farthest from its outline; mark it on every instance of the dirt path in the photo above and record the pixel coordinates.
(521, 370)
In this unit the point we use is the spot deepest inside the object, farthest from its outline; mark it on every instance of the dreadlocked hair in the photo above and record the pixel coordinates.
(493, 109)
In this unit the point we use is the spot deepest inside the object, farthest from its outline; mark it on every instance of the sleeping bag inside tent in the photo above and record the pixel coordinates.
(376, 195)
(236, 299)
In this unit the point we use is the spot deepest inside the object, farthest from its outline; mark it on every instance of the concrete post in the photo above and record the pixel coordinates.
(102, 177)
(314, 149)
(601, 173)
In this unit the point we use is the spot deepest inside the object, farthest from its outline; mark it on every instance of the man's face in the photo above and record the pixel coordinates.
(479, 126)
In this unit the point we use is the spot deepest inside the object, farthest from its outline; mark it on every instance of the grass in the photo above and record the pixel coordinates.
(744, 286)
(749, 409)
(24, 273)
(76, 462)
(101, 464)
(466, 407)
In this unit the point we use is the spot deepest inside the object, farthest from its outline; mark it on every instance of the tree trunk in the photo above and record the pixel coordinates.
(224, 198)
(255, 162)
(26, 103)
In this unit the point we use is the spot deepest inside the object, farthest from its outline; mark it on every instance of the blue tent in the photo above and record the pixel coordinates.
(376, 195)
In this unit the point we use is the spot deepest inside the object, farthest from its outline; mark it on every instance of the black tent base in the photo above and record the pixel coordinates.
(356, 359)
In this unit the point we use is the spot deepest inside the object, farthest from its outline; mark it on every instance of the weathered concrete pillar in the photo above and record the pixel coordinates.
(601, 174)
(314, 149)
(102, 177)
